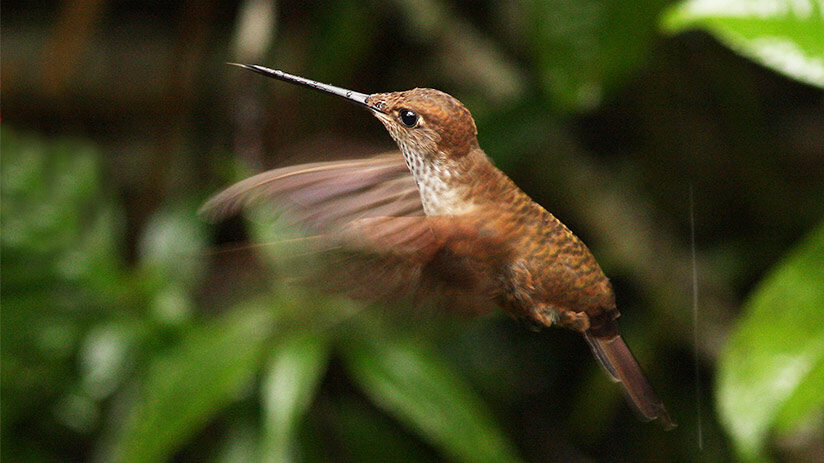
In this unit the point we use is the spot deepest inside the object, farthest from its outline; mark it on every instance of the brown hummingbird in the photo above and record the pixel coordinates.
(442, 218)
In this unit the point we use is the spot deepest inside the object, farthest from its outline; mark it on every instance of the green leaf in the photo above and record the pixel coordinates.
(189, 384)
(772, 368)
(290, 381)
(785, 35)
(418, 388)
(806, 400)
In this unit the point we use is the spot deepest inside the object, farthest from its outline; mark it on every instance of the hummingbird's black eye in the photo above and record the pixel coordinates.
(408, 117)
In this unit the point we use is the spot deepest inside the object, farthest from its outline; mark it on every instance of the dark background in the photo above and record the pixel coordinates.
(122, 117)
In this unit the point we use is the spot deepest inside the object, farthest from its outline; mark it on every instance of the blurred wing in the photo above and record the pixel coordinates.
(436, 257)
(373, 240)
(324, 194)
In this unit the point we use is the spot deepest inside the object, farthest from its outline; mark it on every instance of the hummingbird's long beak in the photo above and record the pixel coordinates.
(357, 97)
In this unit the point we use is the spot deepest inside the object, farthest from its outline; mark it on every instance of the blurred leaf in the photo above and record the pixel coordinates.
(170, 242)
(419, 389)
(785, 35)
(770, 372)
(189, 384)
(241, 443)
(289, 384)
(807, 401)
(171, 259)
(585, 48)
(105, 357)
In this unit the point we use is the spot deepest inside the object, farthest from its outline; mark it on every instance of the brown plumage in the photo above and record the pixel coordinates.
(456, 227)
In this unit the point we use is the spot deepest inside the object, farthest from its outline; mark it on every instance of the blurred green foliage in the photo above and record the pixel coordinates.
(585, 48)
(785, 35)
(772, 368)
(134, 331)
(410, 381)
(62, 269)
(190, 382)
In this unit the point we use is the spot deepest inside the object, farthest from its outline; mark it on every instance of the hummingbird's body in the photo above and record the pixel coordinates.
(547, 274)
(459, 226)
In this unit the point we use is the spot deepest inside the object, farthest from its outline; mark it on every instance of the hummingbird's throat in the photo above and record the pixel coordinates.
(442, 193)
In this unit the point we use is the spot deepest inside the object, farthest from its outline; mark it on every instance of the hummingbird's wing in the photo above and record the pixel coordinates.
(368, 225)
(444, 258)
(327, 194)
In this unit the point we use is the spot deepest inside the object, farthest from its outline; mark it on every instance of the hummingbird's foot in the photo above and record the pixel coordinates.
(576, 321)
(548, 315)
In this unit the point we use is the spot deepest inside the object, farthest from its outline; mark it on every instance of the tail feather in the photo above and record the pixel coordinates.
(616, 358)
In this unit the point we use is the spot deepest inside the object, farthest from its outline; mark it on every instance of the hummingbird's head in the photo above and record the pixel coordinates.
(437, 136)
(434, 131)
(426, 123)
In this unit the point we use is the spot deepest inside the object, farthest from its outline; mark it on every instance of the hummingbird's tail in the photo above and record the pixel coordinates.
(616, 358)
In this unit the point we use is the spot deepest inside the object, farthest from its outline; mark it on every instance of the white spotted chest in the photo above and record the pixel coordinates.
(439, 193)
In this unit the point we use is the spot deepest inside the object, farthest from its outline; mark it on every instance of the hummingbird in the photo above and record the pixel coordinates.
(440, 217)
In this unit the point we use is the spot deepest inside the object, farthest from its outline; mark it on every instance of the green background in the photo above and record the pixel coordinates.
(132, 330)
